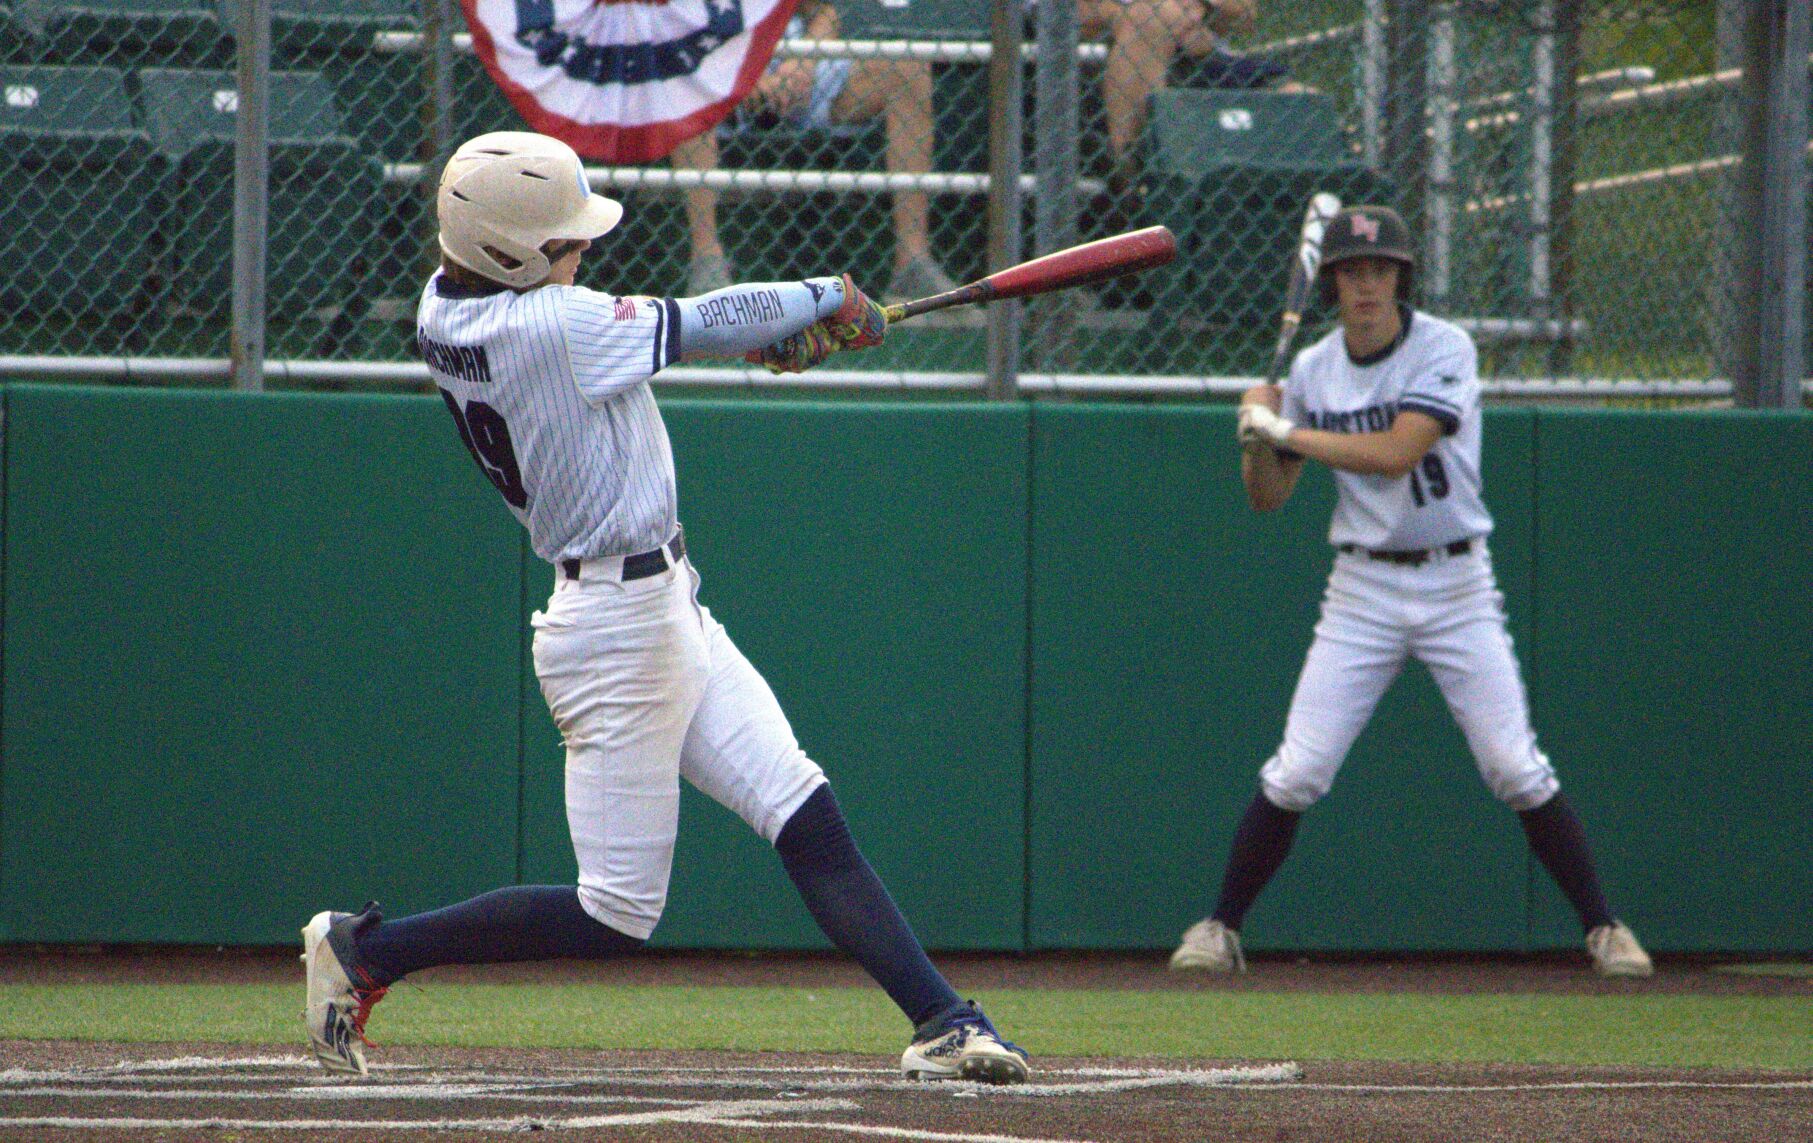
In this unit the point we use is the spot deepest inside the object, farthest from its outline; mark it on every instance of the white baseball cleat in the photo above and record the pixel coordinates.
(337, 1008)
(1209, 946)
(1615, 951)
(964, 1045)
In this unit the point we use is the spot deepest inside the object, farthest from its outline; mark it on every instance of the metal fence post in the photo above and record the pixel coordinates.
(1004, 164)
(1444, 108)
(1406, 141)
(1565, 103)
(1372, 84)
(1055, 133)
(437, 78)
(251, 190)
(1770, 323)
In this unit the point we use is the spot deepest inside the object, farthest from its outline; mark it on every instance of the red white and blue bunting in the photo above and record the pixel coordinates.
(625, 81)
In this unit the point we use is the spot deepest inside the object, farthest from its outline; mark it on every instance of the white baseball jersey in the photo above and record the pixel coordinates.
(1443, 609)
(1433, 369)
(550, 392)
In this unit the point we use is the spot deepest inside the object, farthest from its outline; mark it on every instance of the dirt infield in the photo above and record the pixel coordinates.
(60, 1090)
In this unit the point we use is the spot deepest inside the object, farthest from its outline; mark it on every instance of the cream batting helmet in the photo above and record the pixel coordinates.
(505, 194)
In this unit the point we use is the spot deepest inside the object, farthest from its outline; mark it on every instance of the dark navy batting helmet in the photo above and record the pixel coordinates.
(1366, 232)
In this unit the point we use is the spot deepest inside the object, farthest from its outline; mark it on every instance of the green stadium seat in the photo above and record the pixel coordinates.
(913, 19)
(325, 194)
(130, 33)
(1231, 172)
(83, 194)
(1195, 132)
(316, 26)
(379, 93)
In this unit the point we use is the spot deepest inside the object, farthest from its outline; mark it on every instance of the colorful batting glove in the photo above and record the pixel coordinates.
(798, 352)
(859, 322)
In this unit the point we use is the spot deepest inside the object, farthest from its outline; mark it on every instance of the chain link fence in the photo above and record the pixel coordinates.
(1565, 165)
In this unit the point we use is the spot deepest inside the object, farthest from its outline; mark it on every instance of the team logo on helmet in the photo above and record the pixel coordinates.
(1367, 228)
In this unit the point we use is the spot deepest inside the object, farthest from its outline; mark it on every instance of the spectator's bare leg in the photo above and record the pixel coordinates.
(1145, 36)
(900, 90)
(700, 153)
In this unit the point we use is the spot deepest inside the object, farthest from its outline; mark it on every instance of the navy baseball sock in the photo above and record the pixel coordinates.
(1261, 843)
(1559, 841)
(522, 922)
(853, 908)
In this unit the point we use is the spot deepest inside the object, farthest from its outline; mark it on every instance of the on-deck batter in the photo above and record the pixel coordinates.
(1390, 401)
(548, 385)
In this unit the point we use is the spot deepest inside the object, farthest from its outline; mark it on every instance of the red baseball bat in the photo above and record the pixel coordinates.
(1077, 266)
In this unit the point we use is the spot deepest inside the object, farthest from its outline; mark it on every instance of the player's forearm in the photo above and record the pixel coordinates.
(1269, 477)
(742, 319)
(1372, 454)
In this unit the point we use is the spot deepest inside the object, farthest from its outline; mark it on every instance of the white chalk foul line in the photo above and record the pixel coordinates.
(342, 1095)
(457, 1084)
(740, 1111)
(1568, 1085)
(505, 1125)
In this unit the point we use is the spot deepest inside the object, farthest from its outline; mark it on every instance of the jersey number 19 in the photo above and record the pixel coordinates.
(487, 438)
(1435, 474)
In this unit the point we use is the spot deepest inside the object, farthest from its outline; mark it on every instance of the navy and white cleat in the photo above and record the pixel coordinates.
(963, 1045)
(340, 993)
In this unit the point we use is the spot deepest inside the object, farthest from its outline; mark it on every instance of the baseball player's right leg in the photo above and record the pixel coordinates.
(1355, 656)
(741, 751)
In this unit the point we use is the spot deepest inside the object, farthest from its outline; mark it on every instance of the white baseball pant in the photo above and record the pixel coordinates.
(1449, 614)
(646, 687)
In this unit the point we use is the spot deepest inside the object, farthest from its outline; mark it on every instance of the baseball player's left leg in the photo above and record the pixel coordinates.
(1470, 654)
(741, 752)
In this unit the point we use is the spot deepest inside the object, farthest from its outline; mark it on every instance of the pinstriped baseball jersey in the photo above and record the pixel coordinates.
(550, 391)
(1433, 369)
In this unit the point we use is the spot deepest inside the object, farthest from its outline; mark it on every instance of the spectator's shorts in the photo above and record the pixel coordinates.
(829, 78)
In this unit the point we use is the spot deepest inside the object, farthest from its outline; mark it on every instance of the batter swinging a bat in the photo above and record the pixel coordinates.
(548, 386)
(1390, 401)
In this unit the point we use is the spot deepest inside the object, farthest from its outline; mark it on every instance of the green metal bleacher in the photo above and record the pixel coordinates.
(84, 196)
(324, 191)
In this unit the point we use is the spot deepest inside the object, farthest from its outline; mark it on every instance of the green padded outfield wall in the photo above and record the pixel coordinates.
(264, 654)
(1169, 622)
(871, 563)
(260, 659)
(1675, 667)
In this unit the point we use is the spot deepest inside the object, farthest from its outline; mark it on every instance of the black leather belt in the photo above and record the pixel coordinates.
(642, 564)
(1414, 557)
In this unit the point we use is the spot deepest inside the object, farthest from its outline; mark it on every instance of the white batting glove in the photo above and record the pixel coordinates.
(1259, 425)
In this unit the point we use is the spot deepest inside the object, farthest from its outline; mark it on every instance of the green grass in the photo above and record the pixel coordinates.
(1672, 1031)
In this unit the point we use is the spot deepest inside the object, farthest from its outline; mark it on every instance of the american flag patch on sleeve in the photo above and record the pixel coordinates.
(625, 309)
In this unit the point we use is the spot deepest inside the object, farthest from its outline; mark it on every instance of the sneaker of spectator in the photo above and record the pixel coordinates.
(918, 277)
(707, 273)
